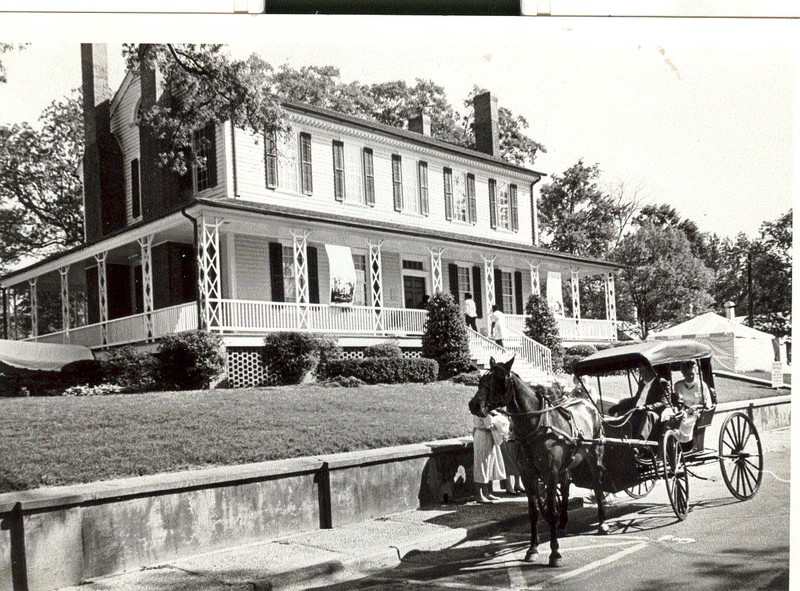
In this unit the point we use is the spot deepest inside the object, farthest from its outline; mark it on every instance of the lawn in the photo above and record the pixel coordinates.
(64, 440)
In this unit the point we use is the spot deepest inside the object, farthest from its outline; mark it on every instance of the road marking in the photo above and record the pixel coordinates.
(673, 540)
(591, 566)
(515, 577)
(776, 477)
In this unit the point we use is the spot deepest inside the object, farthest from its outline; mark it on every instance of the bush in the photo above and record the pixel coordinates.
(190, 360)
(541, 326)
(85, 371)
(568, 362)
(445, 337)
(471, 378)
(343, 382)
(581, 350)
(291, 356)
(327, 350)
(95, 390)
(132, 369)
(383, 350)
(385, 370)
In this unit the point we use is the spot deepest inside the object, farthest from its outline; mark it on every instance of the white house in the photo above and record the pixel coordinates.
(239, 246)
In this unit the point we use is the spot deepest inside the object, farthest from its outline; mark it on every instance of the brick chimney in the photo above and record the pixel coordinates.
(420, 124)
(487, 131)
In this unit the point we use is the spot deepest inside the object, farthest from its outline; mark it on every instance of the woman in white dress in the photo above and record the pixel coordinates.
(487, 435)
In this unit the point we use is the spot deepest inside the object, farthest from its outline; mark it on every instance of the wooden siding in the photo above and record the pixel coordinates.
(252, 185)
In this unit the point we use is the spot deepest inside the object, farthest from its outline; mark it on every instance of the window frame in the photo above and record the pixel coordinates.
(397, 181)
(271, 159)
(339, 187)
(306, 164)
(368, 175)
(423, 187)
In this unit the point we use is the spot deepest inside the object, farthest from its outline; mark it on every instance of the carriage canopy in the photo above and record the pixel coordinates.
(653, 353)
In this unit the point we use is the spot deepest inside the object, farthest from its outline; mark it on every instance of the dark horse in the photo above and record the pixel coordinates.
(553, 436)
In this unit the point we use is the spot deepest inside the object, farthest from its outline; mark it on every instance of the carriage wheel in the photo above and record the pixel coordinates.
(641, 490)
(741, 459)
(675, 475)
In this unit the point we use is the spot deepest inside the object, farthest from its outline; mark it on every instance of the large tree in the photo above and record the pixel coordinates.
(662, 280)
(40, 187)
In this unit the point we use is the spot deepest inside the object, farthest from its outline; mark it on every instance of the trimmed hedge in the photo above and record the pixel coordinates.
(383, 350)
(132, 369)
(581, 350)
(292, 356)
(191, 360)
(385, 370)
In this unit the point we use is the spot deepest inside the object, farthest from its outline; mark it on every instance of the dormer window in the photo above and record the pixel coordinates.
(137, 113)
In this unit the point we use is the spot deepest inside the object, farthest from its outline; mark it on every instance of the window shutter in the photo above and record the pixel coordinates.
(136, 201)
(492, 203)
(211, 153)
(313, 275)
(498, 289)
(271, 159)
(518, 292)
(306, 185)
(512, 197)
(397, 182)
(448, 194)
(422, 173)
(338, 171)
(369, 177)
(276, 271)
(477, 290)
(472, 206)
(452, 271)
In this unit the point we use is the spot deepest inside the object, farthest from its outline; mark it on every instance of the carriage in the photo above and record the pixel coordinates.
(678, 443)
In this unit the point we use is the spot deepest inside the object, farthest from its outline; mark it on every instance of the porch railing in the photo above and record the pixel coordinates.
(243, 316)
(585, 329)
(531, 351)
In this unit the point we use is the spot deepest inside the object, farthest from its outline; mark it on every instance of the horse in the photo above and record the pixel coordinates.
(553, 436)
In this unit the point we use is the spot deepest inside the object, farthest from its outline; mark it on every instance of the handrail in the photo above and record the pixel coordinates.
(533, 351)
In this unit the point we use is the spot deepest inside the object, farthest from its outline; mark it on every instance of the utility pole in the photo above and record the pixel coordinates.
(750, 287)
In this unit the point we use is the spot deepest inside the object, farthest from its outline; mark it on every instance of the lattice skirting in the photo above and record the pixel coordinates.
(246, 370)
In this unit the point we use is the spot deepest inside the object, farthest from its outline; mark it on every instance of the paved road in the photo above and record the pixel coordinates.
(724, 544)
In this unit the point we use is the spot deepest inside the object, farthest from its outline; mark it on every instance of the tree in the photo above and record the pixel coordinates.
(40, 190)
(5, 48)
(445, 336)
(661, 279)
(541, 326)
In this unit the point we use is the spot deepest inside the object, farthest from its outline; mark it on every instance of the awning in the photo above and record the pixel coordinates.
(40, 356)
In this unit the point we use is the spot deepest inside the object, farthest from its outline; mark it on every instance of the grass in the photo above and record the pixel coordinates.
(765, 375)
(66, 440)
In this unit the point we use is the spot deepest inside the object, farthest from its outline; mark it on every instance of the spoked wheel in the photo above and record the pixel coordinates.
(741, 458)
(648, 471)
(675, 475)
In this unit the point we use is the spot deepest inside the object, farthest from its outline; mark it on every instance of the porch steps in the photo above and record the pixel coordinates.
(483, 349)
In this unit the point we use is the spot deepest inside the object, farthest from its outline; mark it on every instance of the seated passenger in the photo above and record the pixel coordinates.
(691, 392)
(649, 402)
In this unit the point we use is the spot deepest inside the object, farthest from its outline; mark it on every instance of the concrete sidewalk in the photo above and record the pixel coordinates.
(322, 557)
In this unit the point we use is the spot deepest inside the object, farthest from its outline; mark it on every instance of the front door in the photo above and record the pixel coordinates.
(414, 291)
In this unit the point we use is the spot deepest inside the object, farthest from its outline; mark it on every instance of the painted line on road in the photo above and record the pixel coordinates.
(776, 477)
(591, 566)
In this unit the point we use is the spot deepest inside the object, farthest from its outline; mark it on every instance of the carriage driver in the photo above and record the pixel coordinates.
(649, 402)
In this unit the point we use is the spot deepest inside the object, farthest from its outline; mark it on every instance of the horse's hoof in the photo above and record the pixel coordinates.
(531, 556)
(602, 530)
(555, 562)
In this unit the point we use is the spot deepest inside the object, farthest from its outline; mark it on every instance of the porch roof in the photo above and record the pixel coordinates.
(398, 229)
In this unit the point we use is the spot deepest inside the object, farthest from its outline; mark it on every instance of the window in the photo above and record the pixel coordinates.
(137, 113)
(289, 294)
(492, 203)
(422, 179)
(136, 194)
(338, 170)
(271, 159)
(460, 203)
(369, 177)
(503, 213)
(463, 283)
(471, 205)
(448, 193)
(397, 182)
(205, 168)
(306, 185)
(413, 265)
(512, 203)
(507, 292)
(360, 294)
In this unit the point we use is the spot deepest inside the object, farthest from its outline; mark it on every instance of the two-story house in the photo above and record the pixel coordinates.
(241, 244)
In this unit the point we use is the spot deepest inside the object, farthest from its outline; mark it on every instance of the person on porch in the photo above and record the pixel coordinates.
(470, 312)
(498, 320)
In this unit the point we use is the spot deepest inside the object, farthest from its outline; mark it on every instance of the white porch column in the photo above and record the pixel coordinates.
(102, 294)
(576, 293)
(436, 269)
(208, 272)
(535, 286)
(488, 272)
(64, 272)
(34, 308)
(611, 298)
(300, 244)
(15, 318)
(146, 247)
(376, 283)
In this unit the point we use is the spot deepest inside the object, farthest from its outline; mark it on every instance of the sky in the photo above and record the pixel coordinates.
(697, 113)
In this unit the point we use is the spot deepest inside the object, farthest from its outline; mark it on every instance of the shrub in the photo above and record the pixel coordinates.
(92, 390)
(85, 371)
(383, 350)
(290, 356)
(445, 337)
(471, 378)
(541, 326)
(385, 370)
(581, 350)
(132, 369)
(343, 382)
(327, 350)
(191, 360)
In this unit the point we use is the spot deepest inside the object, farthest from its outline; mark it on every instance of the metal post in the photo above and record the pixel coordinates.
(750, 288)
(34, 307)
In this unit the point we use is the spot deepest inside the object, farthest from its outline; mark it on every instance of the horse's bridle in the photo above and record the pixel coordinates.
(533, 413)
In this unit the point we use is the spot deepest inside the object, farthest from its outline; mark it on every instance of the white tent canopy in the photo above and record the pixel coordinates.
(40, 356)
(736, 347)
